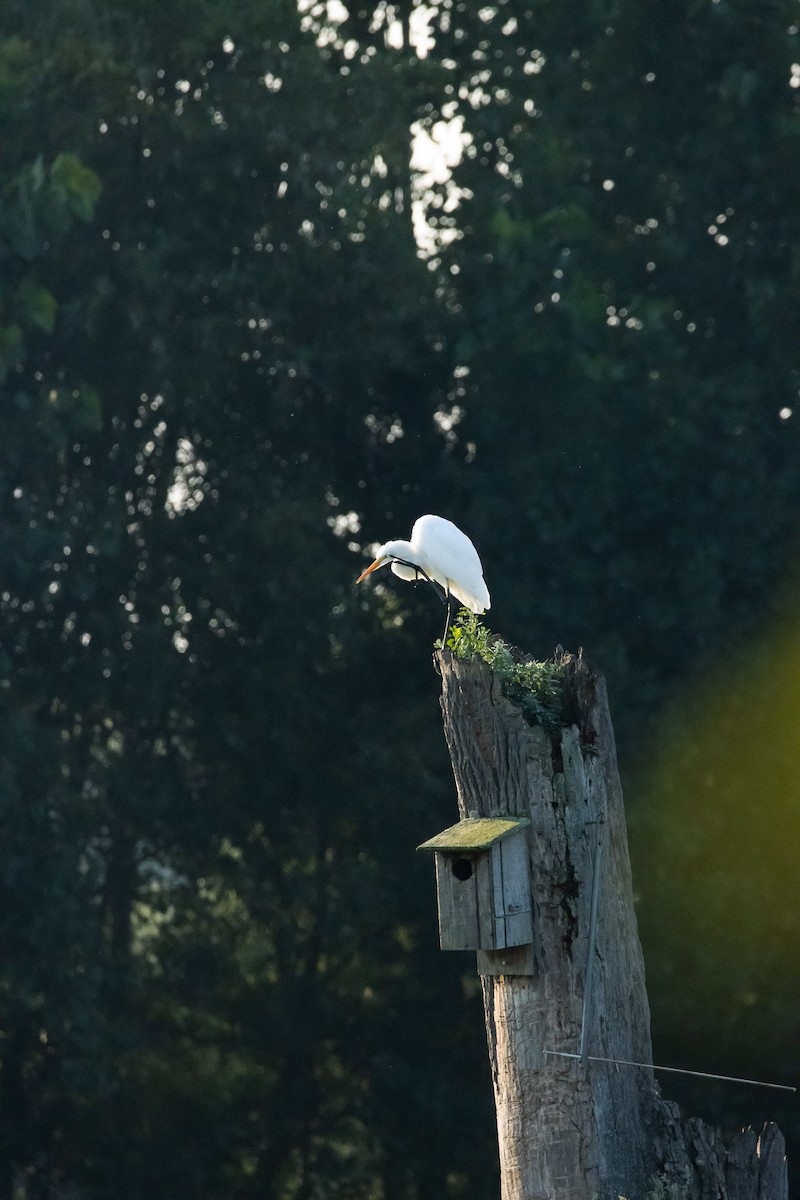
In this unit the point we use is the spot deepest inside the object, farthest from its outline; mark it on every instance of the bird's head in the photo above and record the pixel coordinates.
(386, 554)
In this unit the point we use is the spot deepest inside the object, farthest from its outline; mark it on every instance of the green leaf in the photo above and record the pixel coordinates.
(76, 184)
(88, 410)
(37, 306)
(10, 348)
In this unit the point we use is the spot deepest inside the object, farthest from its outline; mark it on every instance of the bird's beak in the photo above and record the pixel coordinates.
(374, 566)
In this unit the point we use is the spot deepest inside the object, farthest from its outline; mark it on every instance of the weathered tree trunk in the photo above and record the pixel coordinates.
(570, 1131)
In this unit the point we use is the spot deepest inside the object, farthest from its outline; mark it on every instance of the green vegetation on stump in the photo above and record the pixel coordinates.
(535, 687)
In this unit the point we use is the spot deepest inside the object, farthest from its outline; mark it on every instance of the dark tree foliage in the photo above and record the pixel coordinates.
(226, 369)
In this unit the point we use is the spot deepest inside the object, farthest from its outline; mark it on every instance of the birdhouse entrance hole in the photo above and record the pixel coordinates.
(462, 869)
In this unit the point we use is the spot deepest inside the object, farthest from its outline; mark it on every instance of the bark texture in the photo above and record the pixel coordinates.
(569, 1132)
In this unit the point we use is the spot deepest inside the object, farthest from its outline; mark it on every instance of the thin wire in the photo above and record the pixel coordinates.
(624, 1062)
(587, 987)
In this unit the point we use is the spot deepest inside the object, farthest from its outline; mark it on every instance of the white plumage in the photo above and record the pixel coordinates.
(445, 554)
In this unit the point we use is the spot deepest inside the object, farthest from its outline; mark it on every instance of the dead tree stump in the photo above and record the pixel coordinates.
(567, 1130)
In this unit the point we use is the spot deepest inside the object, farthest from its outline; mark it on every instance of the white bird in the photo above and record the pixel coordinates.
(439, 552)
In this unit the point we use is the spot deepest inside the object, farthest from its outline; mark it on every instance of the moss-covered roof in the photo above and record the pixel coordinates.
(475, 833)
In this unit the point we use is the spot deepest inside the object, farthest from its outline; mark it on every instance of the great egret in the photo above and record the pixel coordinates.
(441, 553)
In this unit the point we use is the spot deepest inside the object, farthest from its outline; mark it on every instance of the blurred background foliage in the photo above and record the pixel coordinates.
(245, 332)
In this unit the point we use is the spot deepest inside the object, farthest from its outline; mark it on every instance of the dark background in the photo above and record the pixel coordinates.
(227, 371)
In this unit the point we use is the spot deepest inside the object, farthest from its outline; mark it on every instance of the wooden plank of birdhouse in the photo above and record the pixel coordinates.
(514, 960)
(498, 906)
(511, 892)
(458, 907)
(484, 893)
(475, 833)
(516, 891)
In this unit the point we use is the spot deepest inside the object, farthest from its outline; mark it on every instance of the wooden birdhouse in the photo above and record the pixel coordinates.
(483, 892)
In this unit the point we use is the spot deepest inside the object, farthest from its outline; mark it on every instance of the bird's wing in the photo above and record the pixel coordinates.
(451, 559)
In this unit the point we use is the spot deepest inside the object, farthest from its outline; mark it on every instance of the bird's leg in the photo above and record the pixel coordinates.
(447, 620)
(414, 566)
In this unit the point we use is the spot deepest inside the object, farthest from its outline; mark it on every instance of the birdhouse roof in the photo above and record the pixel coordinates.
(475, 833)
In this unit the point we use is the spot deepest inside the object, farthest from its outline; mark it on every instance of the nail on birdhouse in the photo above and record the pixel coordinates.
(483, 891)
